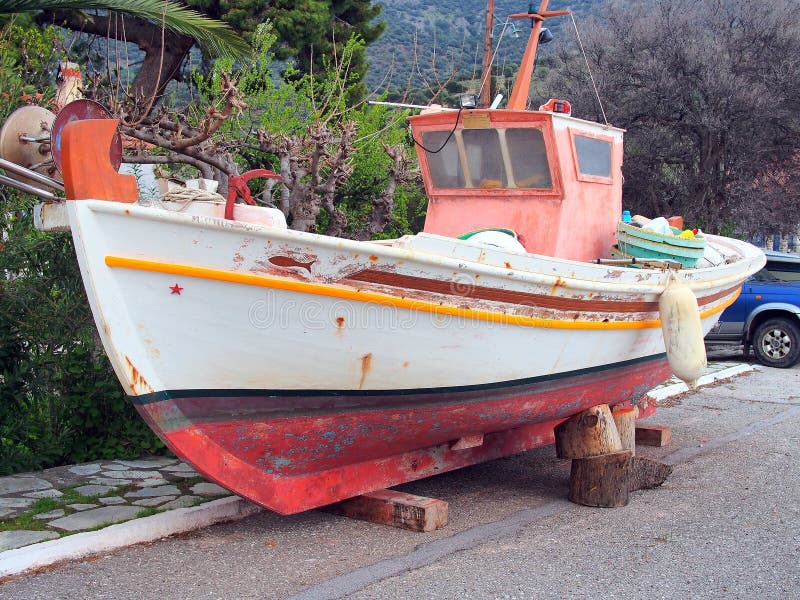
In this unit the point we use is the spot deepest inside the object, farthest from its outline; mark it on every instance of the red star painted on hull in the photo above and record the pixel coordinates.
(176, 289)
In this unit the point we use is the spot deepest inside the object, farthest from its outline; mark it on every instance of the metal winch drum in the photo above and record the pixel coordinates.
(30, 146)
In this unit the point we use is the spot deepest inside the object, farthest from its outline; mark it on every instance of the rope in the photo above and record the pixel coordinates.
(588, 68)
(184, 197)
(191, 195)
(494, 55)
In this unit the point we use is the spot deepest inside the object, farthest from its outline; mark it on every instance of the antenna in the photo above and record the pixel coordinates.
(519, 95)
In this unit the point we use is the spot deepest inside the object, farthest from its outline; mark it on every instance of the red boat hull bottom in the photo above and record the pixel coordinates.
(291, 453)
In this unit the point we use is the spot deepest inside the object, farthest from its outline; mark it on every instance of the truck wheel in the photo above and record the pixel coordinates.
(776, 343)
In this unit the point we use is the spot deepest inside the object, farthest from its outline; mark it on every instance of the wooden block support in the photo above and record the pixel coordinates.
(625, 420)
(396, 509)
(589, 433)
(602, 481)
(653, 435)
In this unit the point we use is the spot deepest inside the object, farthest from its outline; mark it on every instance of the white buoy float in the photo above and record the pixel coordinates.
(683, 332)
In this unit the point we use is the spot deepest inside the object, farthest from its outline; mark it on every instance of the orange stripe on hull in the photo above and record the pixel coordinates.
(347, 293)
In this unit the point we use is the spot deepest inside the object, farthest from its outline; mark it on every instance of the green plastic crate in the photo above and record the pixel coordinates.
(641, 243)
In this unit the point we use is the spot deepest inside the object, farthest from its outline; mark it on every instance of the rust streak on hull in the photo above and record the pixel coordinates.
(366, 365)
(138, 384)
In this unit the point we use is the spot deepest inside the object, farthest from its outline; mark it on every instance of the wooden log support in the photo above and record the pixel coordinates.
(647, 473)
(625, 420)
(597, 482)
(653, 435)
(396, 509)
(602, 481)
(589, 433)
(601, 444)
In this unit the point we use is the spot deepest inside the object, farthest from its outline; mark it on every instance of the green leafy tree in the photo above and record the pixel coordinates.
(313, 33)
(59, 399)
(26, 56)
(308, 31)
(163, 29)
(315, 30)
(214, 37)
(344, 167)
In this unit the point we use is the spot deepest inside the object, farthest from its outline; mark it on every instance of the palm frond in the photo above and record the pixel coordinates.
(215, 37)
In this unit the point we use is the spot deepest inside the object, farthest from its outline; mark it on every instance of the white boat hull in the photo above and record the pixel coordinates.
(232, 338)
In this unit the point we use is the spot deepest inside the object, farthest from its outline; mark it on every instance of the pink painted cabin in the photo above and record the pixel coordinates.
(554, 179)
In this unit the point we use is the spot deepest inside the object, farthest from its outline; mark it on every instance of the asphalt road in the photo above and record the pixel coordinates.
(725, 524)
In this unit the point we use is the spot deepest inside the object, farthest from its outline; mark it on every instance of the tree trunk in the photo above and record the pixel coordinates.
(154, 75)
(708, 188)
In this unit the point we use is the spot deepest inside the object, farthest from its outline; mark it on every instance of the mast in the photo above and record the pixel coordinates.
(486, 69)
(519, 95)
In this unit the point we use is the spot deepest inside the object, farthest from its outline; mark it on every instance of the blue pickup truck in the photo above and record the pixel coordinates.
(766, 316)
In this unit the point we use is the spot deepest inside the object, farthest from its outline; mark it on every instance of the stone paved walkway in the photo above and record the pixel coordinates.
(65, 500)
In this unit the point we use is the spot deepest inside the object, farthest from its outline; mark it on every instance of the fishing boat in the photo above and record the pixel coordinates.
(298, 369)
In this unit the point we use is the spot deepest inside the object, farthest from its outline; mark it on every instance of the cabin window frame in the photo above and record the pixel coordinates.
(555, 191)
(573, 133)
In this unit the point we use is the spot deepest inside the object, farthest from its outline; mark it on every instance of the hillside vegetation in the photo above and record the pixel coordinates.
(449, 33)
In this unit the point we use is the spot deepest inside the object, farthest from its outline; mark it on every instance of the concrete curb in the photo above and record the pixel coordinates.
(135, 531)
(679, 388)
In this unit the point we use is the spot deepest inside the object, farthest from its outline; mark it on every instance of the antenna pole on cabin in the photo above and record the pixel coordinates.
(519, 95)
(486, 68)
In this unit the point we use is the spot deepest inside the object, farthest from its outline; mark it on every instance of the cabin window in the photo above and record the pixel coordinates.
(488, 159)
(444, 165)
(594, 156)
(528, 158)
(484, 158)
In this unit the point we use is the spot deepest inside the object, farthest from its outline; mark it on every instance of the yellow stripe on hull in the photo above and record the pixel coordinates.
(334, 291)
